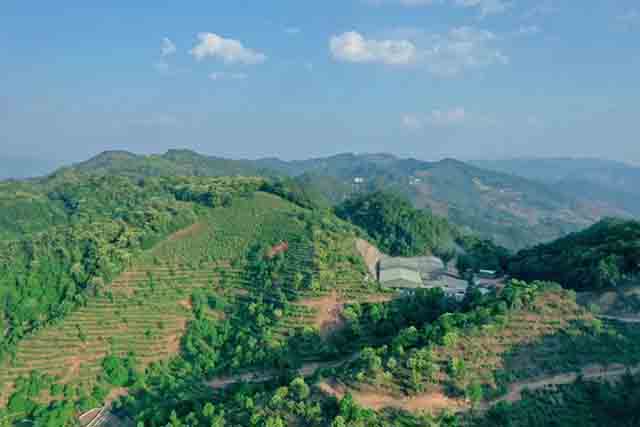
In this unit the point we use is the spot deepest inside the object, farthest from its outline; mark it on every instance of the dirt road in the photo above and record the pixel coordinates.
(594, 373)
(307, 370)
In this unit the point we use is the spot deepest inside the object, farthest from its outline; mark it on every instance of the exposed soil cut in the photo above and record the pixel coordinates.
(186, 232)
(328, 318)
(370, 254)
(377, 400)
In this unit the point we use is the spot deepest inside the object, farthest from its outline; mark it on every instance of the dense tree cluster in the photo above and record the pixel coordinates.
(604, 255)
(395, 225)
(481, 254)
(582, 404)
(101, 224)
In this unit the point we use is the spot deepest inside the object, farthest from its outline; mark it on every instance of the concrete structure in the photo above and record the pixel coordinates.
(409, 274)
(451, 286)
(400, 278)
(429, 267)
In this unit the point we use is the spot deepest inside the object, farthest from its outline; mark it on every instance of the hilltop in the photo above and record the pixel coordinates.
(515, 212)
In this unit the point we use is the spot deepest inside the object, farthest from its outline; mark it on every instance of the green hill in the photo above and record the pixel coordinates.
(513, 211)
(603, 256)
(172, 163)
(243, 301)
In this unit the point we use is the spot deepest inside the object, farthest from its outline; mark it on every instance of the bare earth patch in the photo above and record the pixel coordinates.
(429, 402)
(186, 303)
(328, 318)
(370, 254)
(329, 309)
(186, 232)
(173, 340)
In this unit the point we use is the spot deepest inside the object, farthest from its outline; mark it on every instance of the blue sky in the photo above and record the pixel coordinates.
(300, 78)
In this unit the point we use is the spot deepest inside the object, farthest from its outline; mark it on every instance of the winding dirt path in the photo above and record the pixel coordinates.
(593, 372)
(306, 370)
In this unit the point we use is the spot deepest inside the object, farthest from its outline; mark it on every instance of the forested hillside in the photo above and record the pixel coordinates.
(172, 163)
(396, 226)
(514, 212)
(244, 301)
(72, 233)
(602, 256)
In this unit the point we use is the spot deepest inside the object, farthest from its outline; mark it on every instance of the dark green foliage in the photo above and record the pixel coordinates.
(481, 254)
(291, 190)
(377, 322)
(583, 404)
(601, 256)
(119, 371)
(98, 226)
(396, 226)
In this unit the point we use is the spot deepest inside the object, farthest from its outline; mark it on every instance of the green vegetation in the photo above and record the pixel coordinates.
(397, 227)
(479, 254)
(583, 404)
(602, 256)
(512, 211)
(244, 302)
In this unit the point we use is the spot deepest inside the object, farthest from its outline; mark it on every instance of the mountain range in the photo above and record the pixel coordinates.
(516, 203)
(604, 182)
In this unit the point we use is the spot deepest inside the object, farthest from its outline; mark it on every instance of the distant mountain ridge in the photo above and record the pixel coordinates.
(514, 211)
(601, 182)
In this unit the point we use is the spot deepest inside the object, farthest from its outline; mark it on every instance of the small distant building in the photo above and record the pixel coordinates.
(451, 286)
(401, 279)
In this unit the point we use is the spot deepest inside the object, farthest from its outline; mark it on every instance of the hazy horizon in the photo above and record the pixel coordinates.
(425, 79)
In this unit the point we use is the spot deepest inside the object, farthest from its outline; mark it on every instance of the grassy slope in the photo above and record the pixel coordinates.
(147, 308)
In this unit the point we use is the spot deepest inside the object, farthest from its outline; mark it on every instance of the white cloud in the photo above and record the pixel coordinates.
(446, 118)
(230, 51)
(486, 7)
(528, 30)
(449, 54)
(463, 48)
(292, 30)
(419, 2)
(631, 18)
(412, 122)
(221, 75)
(167, 47)
(353, 47)
(453, 117)
(547, 7)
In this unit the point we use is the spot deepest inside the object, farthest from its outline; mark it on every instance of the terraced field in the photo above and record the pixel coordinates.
(147, 309)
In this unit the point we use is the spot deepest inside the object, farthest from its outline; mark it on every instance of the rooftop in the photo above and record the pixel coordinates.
(400, 278)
